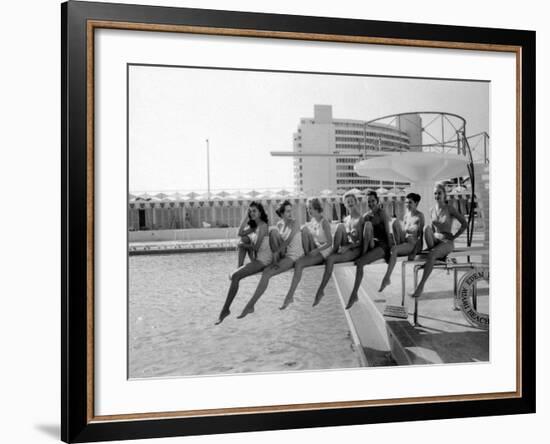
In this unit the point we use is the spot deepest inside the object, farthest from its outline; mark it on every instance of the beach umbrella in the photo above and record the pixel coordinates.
(381, 190)
(144, 196)
(193, 195)
(284, 193)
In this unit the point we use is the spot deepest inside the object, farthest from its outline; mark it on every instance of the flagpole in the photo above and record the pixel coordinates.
(208, 165)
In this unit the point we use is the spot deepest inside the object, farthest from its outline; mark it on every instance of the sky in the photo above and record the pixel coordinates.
(247, 114)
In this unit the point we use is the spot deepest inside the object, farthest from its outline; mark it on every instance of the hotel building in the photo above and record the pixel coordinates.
(325, 141)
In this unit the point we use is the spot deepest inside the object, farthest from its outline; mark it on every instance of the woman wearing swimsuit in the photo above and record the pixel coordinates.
(406, 235)
(348, 240)
(317, 242)
(286, 245)
(261, 253)
(438, 236)
(376, 241)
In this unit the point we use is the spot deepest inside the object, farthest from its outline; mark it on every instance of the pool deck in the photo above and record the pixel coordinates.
(443, 336)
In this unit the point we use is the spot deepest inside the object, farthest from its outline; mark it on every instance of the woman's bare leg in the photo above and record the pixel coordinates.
(308, 243)
(371, 256)
(303, 262)
(245, 240)
(429, 237)
(368, 237)
(347, 256)
(402, 249)
(398, 233)
(282, 266)
(245, 271)
(275, 241)
(339, 238)
(438, 252)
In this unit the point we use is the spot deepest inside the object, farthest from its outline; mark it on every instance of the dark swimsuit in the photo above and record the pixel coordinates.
(379, 233)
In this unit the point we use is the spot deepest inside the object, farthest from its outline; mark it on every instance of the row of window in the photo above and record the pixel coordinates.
(346, 159)
(347, 174)
(372, 138)
(372, 134)
(357, 182)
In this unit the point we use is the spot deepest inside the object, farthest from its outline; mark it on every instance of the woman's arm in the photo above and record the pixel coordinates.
(295, 228)
(463, 222)
(243, 231)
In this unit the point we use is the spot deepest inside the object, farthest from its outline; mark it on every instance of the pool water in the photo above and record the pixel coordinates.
(174, 301)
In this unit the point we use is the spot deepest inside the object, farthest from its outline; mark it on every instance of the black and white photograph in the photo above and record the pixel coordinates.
(285, 221)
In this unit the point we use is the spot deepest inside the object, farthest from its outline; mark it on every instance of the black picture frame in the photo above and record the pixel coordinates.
(78, 423)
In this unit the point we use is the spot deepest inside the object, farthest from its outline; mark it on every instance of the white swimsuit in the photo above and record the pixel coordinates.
(263, 254)
(294, 250)
(319, 236)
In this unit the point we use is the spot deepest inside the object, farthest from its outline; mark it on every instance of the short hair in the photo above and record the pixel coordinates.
(349, 194)
(414, 197)
(315, 204)
(373, 194)
(281, 208)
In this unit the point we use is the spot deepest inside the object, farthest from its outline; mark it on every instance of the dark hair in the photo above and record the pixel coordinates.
(263, 214)
(414, 197)
(315, 204)
(281, 208)
(373, 194)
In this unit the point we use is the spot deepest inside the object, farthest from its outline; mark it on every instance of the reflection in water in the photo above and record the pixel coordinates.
(174, 301)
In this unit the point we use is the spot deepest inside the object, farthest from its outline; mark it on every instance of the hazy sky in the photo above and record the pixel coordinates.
(245, 115)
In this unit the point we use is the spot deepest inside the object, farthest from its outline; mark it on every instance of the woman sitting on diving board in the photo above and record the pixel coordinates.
(407, 235)
(286, 245)
(317, 242)
(347, 244)
(437, 234)
(376, 241)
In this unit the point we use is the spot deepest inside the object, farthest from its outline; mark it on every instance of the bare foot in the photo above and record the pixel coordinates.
(223, 315)
(247, 310)
(384, 284)
(318, 298)
(417, 293)
(286, 303)
(352, 300)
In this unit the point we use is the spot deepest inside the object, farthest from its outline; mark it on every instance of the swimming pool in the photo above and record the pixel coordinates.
(174, 301)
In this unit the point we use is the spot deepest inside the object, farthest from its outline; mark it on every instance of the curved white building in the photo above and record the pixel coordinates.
(325, 142)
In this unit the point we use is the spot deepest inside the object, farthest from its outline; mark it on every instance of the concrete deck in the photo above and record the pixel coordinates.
(445, 336)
